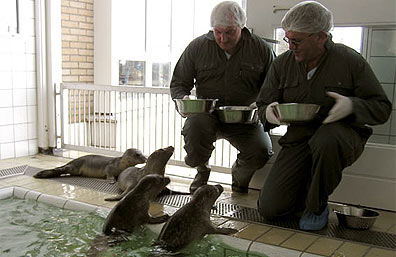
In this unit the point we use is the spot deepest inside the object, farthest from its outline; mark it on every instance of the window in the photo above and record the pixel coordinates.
(132, 73)
(9, 16)
(150, 35)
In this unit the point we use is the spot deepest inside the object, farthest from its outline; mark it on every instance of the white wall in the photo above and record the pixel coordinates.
(263, 19)
(18, 98)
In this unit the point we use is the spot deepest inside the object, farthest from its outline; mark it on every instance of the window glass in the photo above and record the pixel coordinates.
(161, 74)
(132, 73)
(9, 16)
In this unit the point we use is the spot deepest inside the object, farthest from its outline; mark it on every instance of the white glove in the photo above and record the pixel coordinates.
(341, 109)
(253, 106)
(177, 109)
(270, 114)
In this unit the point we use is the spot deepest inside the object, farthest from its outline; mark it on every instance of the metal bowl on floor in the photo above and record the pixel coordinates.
(237, 114)
(195, 106)
(355, 217)
(295, 112)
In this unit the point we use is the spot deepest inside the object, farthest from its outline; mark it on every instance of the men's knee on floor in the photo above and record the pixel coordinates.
(268, 210)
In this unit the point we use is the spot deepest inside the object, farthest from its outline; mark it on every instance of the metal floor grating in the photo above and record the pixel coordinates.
(333, 229)
(19, 170)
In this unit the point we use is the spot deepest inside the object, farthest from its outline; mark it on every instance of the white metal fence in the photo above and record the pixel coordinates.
(110, 119)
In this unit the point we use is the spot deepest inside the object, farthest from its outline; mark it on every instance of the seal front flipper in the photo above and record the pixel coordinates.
(224, 231)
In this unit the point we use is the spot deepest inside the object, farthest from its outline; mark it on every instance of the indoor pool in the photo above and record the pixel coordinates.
(31, 228)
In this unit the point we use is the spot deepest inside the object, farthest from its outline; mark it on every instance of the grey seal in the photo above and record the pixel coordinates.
(132, 210)
(155, 164)
(192, 221)
(97, 166)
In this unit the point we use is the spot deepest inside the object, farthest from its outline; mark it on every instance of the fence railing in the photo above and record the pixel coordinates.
(110, 119)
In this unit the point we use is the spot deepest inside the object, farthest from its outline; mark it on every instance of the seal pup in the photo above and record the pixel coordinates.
(155, 164)
(97, 166)
(192, 221)
(132, 210)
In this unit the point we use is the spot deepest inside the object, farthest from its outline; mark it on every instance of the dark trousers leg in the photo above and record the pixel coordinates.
(199, 134)
(255, 149)
(309, 170)
(284, 188)
(334, 147)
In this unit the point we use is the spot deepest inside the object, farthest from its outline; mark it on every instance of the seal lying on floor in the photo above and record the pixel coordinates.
(97, 166)
(192, 221)
(155, 164)
(132, 210)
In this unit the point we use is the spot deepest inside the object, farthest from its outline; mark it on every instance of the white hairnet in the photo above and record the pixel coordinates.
(228, 13)
(308, 17)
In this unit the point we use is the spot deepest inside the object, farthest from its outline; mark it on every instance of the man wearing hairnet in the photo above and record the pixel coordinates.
(229, 64)
(313, 154)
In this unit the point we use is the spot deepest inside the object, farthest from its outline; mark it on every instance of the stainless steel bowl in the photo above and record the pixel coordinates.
(295, 112)
(195, 106)
(237, 114)
(355, 217)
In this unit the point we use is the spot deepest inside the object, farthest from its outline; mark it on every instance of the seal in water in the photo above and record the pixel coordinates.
(97, 166)
(155, 164)
(132, 210)
(192, 221)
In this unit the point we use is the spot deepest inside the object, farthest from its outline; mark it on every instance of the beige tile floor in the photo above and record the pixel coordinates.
(307, 243)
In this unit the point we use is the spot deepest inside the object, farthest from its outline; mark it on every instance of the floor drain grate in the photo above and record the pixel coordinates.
(13, 171)
(333, 229)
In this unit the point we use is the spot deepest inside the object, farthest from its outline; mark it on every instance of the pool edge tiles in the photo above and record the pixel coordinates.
(251, 248)
(57, 201)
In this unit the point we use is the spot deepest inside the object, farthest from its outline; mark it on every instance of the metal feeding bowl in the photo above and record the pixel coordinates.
(355, 217)
(195, 106)
(295, 112)
(237, 114)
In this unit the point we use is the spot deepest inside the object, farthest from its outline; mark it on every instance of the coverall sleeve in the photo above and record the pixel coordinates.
(184, 74)
(370, 103)
(269, 92)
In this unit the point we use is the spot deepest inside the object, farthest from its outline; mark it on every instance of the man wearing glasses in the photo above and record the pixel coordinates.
(313, 154)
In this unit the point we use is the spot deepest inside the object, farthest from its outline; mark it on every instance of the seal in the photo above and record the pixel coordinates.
(132, 210)
(97, 166)
(155, 164)
(192, 221)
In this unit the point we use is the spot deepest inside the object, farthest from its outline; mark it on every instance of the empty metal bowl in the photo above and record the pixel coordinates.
(237, 114)
(295, 112)
(195, 106)
(355, 217)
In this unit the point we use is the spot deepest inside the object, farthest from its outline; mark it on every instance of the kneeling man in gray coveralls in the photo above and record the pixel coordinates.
(229, 64)
(313, 155)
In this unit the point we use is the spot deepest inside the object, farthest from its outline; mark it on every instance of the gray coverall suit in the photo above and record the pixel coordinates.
(234, 81)
(313, 155)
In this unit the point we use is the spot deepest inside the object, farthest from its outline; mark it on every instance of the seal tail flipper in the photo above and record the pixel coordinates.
(167, 191)
(120, 196)
(51, 173)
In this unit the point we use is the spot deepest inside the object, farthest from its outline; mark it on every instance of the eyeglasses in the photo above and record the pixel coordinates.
(296, 42)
